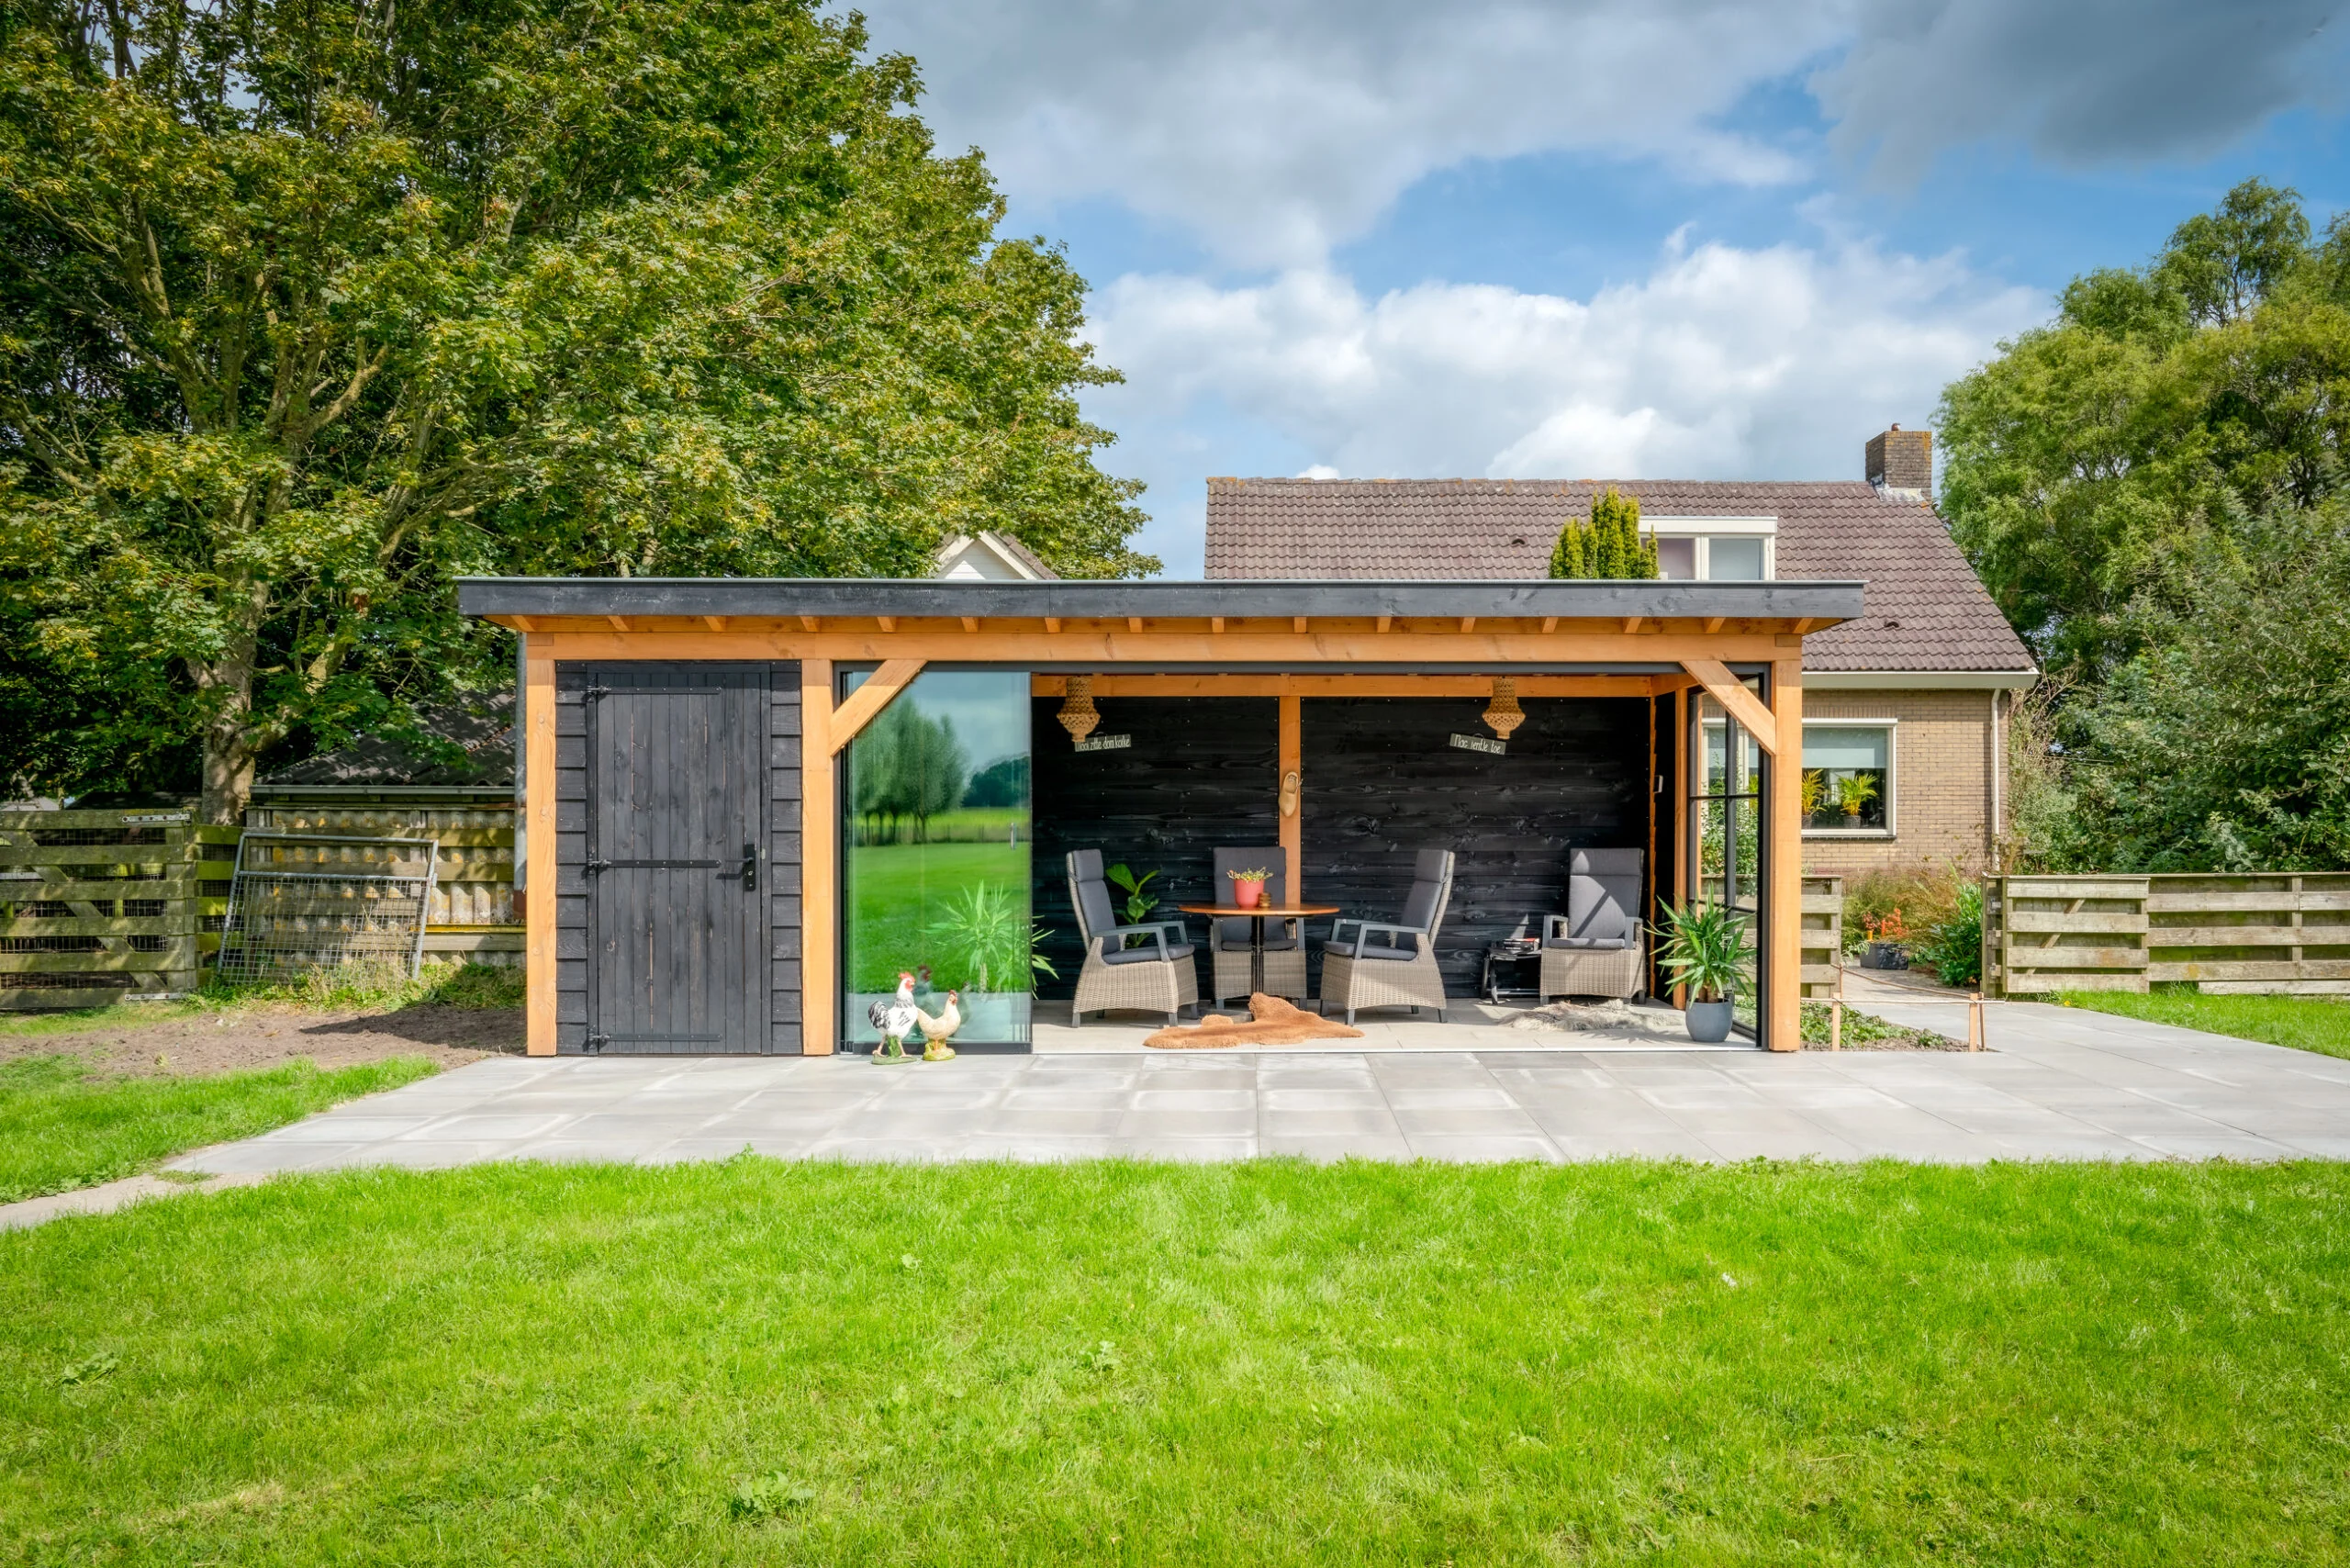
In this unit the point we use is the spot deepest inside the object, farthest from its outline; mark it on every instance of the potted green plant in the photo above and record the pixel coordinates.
(1854, 792)
(1814, 792)
(1139, 903)
(1703, 947)
(1248, 887)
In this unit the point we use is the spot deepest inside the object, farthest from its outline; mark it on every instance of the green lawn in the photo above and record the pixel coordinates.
(1260, 1362)
(895, 891)
(63, 1127)
(2304, 1023)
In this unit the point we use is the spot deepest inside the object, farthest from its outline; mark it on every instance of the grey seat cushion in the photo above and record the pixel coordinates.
(1378, 950)
(1145, 954)
(1603, 899)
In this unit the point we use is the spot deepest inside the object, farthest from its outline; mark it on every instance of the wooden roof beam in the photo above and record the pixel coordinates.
(1740, 703)
(868, 700)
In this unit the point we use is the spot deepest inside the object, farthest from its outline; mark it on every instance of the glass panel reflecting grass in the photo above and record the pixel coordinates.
(937, 828)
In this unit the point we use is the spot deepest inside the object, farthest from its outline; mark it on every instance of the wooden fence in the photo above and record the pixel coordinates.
(103, 904)
(1823, 934)
(472, 915)
(2273, 933)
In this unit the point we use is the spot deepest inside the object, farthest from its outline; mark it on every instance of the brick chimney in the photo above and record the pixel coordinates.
(1901, 463)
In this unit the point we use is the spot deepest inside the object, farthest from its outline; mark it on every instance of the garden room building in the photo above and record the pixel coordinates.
(759, 802)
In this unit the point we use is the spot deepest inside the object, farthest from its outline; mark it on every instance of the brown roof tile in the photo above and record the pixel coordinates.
(1926, 609)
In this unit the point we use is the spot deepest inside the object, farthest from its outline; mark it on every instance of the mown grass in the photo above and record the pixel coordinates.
(64, 1126)
(1259, 1362)
(2305, 1023)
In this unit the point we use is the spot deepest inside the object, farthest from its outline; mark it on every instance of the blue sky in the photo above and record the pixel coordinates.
(1614, 238)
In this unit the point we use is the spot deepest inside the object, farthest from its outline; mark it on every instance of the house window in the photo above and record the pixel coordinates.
(1714, 549)
(1848, 777)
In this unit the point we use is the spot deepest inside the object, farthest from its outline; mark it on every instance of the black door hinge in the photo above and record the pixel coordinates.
(594, 1044)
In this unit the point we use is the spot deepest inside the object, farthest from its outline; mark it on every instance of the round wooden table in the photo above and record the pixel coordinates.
(1257, 917)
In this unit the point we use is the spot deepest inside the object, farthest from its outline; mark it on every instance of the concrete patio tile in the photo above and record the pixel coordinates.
(876, 1123)
(1185, 1097)
(1368, 1098)
(1477, 1149)
(1625, 1117)
(1049, 1121)
(1720, 1095)
(1328, 1148)
(1486, 1096)
(1237, 1121)
(1053, 1097)
(1480, 1121)
(1272, 1123)
(488, 1125)
(774, 1145)
(331, 1128)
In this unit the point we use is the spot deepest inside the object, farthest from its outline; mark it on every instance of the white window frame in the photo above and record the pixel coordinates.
(1704, 531)
(1892, 728)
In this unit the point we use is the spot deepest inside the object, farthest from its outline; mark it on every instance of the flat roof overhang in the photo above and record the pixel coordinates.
(1571, 605)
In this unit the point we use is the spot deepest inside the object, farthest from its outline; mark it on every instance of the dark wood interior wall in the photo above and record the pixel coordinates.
(781, 874)
(1202, 772)
(1382, 782)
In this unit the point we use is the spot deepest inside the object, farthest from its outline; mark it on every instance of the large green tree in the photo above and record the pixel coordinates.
(310, 307)
(2151, 486)
(2211, 384)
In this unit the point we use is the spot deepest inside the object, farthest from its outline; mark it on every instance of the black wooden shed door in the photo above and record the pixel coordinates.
(676, 786)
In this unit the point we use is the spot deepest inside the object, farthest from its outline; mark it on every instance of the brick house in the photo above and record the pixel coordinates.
(1905, 707)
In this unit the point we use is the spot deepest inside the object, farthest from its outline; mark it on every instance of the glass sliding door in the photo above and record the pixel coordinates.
(1725, 822)
(934, 837)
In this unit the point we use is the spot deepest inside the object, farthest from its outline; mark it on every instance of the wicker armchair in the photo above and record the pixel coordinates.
(1398, 970)
(1595, 949)
(1230, 950)
(1158, 977)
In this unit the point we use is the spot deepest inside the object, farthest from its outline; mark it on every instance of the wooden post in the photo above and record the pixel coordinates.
(819, 868)
(1836, 1012)
(1783, 1006)
(1974, 1021)
(539, 782)
(1293, 821)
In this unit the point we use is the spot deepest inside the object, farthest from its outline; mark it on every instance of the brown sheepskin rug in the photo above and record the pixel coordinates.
(1271, 1022)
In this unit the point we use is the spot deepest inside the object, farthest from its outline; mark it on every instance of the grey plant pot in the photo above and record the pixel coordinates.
(1709, 1022)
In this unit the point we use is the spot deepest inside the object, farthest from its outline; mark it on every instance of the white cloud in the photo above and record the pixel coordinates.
(1725, 362)
(1272, 131)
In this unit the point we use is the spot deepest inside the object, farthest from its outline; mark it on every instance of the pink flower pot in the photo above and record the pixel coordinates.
(1246, 894)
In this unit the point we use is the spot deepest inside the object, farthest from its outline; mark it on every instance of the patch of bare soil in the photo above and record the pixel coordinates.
(263, 1036)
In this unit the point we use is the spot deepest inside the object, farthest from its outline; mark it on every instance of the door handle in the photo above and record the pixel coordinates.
(750, 868)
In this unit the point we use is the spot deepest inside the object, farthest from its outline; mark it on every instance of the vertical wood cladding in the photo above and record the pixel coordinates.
(767, 996)
(1382, 781)
(1202, 772)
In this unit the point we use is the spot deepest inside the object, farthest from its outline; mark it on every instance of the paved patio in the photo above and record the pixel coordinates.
(2058, 1084)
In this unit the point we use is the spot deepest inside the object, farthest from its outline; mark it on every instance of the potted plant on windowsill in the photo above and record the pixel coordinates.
(1703, 947)
(1248, 887)
(1853, 792)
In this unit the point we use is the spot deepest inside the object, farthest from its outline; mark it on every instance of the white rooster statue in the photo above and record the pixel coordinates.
(937, 1031)
(895, 1019)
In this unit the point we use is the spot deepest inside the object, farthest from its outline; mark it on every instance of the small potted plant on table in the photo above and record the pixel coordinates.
(1248, 887)
(1703, 947)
